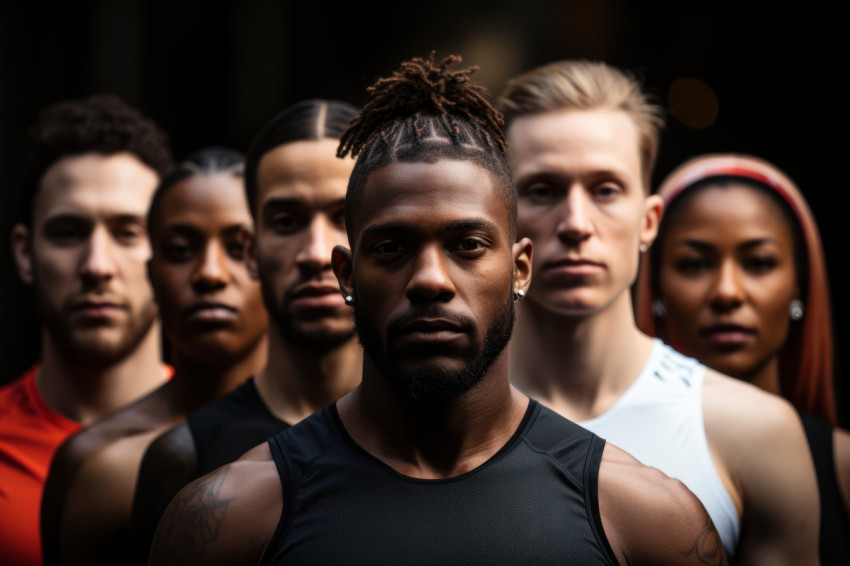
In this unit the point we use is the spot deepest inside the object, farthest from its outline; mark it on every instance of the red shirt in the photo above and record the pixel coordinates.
(30, 432)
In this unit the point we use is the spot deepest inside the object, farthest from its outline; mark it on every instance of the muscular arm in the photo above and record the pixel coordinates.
(758, 444)
(169, 464)
(63, 469)
(652, 519)
(225, 517)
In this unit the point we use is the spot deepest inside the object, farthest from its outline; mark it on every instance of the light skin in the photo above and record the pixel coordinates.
(727, 276)
(582, 201)
(213, 316)
(313, 356)
(433, 230)
(85, 255)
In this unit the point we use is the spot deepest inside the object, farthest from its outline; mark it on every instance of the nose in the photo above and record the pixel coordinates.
(99, 263)
(211, 271)
(429, 281)
(728, 292)
(315, 254)
(574, 225)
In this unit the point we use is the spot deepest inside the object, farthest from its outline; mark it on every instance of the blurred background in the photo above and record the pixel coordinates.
(733, 76)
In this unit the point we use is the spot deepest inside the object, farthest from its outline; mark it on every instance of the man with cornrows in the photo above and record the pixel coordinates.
(435, 458)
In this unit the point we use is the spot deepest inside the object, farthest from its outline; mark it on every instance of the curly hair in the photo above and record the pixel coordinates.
(102, 124)
(424, 112)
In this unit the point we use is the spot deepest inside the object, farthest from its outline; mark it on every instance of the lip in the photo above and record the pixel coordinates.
(93, 308)
(573, 266)
(314, 295)
(209, 311)
(430, 331)
(727, 335)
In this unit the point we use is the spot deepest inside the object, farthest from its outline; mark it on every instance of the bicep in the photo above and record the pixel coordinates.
(652, 519)
(168, 465)
(841, 449)
(225, 517)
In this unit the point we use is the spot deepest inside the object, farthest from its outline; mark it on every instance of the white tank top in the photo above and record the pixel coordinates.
(658, 420)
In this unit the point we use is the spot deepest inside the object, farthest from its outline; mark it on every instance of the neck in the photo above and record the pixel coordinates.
(435, 439)
(766, 377)
(84, 393)
(198, 381)
(578, 364)
(298, 381)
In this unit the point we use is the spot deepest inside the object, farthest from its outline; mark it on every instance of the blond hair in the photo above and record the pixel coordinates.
(587, 85)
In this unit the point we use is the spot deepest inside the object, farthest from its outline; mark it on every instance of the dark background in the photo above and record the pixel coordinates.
(214, 71)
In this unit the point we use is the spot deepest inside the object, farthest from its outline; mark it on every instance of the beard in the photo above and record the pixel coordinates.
(437, 384)
(96, 347)
(310, 334)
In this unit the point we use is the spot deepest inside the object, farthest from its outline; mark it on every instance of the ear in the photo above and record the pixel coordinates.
(522, 254)
(341, 259)
(652, 207)
(22, 250)
(249, 249)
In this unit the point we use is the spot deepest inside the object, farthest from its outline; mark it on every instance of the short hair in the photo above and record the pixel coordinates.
(425, 112)
(587, 85)
(206, 161)
(102, 124)
(312, 119)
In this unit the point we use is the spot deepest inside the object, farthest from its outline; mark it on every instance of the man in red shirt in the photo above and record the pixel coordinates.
(81, 243)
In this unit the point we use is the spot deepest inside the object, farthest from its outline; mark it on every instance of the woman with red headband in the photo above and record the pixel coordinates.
(737, 279)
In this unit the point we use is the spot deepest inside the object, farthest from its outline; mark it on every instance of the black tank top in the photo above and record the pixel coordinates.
(230, 426)
(834, 523)
(533, 502)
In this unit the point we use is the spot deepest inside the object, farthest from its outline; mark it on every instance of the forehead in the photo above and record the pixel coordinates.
(429, 195)
(574, 141)
(308, 171)
(96, 185)
(206, 201)
(735, 212)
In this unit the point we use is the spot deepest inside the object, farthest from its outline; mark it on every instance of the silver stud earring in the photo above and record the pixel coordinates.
(519, 295)
(796, 310)
(349, 300)
(658, 308)
(643, 247)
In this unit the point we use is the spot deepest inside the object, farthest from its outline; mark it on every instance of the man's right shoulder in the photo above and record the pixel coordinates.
(650, 518)
(225, 517)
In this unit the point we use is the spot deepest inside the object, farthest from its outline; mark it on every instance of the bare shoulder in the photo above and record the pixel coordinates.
(652, 519)
(758, 442)
(225, 517)
(742, 408)
(169, 463)
(841, 449)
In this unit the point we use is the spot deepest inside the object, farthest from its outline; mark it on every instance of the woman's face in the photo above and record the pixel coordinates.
(727, 276)
(211, 308)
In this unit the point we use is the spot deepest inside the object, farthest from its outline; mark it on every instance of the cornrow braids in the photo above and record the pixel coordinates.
(425, 112)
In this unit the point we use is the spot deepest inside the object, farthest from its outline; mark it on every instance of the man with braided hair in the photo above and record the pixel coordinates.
(435, 457)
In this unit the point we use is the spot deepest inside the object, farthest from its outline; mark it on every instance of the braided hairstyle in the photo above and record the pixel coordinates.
(425, 112)
(207, 161)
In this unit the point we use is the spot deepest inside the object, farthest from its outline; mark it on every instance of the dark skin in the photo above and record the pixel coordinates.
(300, 198)
(435, 245)
(212, 313)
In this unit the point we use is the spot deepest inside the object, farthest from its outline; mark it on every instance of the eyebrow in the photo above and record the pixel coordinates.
(289, 202)
(465, 225)
(182, 227)
(702, 245)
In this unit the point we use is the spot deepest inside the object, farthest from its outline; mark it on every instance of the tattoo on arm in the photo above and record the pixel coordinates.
(708, 548)
(195, 517)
